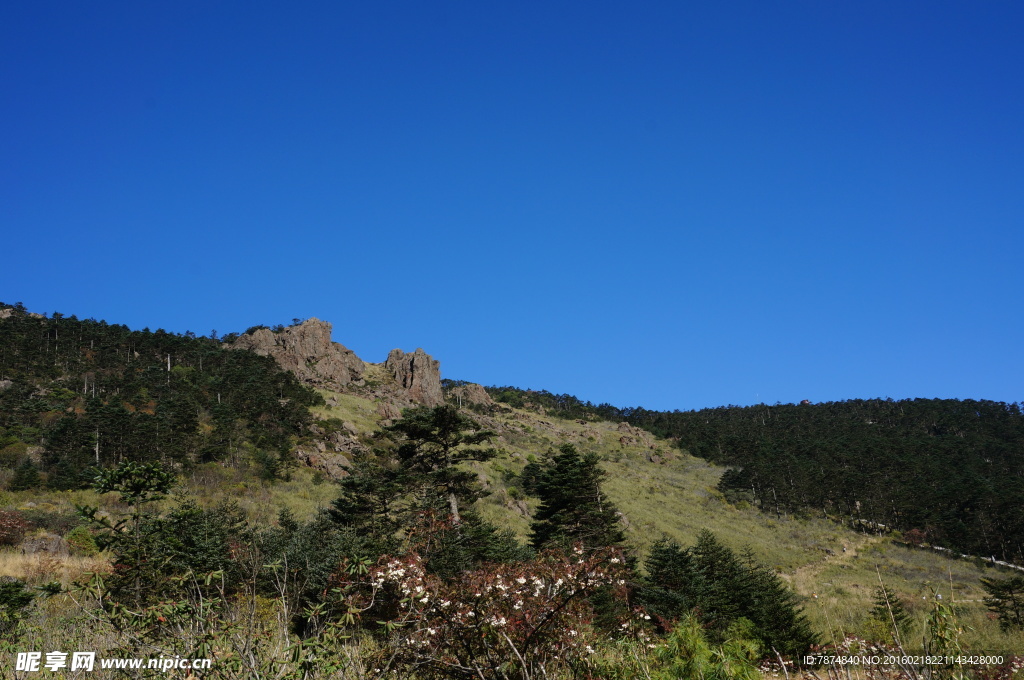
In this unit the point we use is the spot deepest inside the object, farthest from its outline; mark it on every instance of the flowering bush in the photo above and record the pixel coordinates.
(501, 621)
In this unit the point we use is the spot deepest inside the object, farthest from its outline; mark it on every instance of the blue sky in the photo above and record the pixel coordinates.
(673, 204)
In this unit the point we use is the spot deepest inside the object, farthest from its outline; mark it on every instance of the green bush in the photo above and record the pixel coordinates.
(81, 542)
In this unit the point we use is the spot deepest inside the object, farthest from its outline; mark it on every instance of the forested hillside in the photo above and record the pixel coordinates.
(460, 539)
(76, 393)
(949, 472)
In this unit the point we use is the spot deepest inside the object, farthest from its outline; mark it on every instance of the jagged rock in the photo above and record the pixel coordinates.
(332, 464)
(307, 351)
(638, 435)
(417, 375)
(626, 440)
(5, 384)
(471, 393)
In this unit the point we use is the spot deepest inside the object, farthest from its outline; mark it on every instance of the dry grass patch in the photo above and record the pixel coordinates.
(45, 567)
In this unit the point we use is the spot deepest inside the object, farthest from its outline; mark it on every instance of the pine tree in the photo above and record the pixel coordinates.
(25, 477)
(724, 590)
(573, 507)
(889, 611)
(667, 591)
(1006, 598)
(434, 442)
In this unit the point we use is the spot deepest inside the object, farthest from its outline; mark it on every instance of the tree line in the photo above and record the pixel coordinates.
(80, 393)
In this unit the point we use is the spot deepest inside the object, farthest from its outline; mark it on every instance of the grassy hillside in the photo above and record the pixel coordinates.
(663, 492)
(660, 491)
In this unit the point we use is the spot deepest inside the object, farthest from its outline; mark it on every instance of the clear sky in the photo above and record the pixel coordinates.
(667, 204)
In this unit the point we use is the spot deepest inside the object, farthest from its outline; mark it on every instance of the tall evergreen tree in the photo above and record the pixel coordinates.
(573, 507)
(723, 590)
(26, 476)
(434, 441)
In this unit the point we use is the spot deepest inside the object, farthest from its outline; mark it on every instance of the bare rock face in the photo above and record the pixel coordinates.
(416, 374)
(473, 394)
(307, 351)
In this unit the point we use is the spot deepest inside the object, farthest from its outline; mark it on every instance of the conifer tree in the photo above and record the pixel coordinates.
(890, 612)
(573, 506)
(25, 477)
(434, 441)
(1006, 598)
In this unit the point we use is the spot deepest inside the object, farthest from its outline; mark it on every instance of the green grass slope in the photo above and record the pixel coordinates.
(662, 492)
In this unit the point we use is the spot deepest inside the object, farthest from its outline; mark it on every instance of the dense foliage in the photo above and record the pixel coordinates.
(724, 589)
(950, 470)
(573, 508)
(95, 394)
(433, 592)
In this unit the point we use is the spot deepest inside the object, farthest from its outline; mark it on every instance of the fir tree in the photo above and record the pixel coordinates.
(573, 507)
(25, 477)
(1006, 598)
(434, 441)
(889, 611)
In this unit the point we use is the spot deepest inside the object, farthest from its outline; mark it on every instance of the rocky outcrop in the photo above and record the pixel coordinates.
(417, 375)
(307, 351)
(633, 436)
(471, 393)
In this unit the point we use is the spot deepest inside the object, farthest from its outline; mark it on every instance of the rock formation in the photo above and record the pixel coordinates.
(307, 351)
(417, 375)
(471, 393)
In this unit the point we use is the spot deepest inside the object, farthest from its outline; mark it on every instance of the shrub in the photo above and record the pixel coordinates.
(82, 542)
(12, 527)
(54, 521)
(15, 597)
(499, 621)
